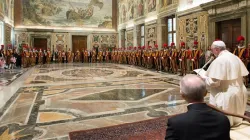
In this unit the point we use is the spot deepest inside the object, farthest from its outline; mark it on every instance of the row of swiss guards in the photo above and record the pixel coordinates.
(167, 59)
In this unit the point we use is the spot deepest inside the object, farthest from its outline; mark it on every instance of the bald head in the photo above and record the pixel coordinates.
(193, 88)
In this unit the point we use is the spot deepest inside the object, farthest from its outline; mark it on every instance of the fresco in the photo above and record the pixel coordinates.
(7, 8)
(140, 7)
(130, 9)
(122, 11)
(151, 5)
(83, 13)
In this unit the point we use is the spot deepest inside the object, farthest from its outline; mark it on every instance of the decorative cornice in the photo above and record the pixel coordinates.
(189, 11)
(221, 7)
(209, 5)
(151, 22)
(168, 11)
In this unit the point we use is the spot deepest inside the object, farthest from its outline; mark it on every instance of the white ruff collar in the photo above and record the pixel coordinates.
(241, 47)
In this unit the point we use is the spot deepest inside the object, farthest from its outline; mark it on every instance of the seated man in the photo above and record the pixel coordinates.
(200, 122)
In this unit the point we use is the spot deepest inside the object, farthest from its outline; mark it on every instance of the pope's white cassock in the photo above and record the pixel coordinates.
(225, 81)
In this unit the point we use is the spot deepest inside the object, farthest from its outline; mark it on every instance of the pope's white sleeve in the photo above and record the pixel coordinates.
(212, 82)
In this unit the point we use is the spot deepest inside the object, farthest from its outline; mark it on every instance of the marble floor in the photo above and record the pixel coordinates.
(49, 101)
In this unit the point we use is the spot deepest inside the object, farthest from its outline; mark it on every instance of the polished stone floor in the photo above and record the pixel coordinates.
(49, 101)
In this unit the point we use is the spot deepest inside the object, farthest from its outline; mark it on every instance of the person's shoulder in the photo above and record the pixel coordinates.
(220, 115)
(222, 118)
(178, 118)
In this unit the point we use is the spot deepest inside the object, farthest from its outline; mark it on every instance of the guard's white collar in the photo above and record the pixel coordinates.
(241, 47)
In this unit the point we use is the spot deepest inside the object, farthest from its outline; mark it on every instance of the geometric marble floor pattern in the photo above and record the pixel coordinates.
(57, 99)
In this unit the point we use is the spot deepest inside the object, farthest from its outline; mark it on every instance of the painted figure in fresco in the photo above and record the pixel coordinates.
(124, 13)
(151, 5)
(48, 9)
(131, 9)
(87, 13)
(80, 11)
(7, 7)
(140, 8)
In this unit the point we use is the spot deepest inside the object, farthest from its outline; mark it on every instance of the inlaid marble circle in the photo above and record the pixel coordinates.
(88, 72)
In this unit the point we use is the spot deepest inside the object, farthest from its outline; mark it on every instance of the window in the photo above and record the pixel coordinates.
(171, 34)
(1, 33)
(142, 35)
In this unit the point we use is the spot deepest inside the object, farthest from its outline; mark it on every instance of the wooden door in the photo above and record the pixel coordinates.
(40, 43)
(228, 31)
(79, 43)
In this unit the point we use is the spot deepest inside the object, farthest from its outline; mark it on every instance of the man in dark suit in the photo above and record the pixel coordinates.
(200, 122)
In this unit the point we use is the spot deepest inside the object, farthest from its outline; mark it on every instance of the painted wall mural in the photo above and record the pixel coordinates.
(151, 5)
(7, 9)
(131, 9)
(83, 13)
(168, 3)
(140, 8)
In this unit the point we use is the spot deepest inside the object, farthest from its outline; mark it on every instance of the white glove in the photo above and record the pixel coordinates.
(180, 59)
(192, 59)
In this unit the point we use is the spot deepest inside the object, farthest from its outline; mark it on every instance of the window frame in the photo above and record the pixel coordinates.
(2, 32)
(142, 36)
(173, 31)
